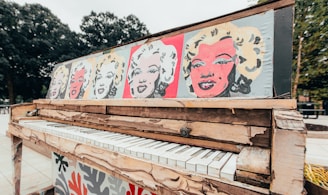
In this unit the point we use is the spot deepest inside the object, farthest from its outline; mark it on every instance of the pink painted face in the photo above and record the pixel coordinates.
(76, 83)
(56, 85)
(211, 67)
(145, 76)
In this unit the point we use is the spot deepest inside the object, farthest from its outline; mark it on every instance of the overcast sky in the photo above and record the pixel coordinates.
(156, 15)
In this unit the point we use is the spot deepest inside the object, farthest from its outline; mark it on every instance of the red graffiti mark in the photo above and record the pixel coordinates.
(140, 191)
(76, 186)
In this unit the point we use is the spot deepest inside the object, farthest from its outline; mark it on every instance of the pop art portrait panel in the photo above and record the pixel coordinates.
(109, 78)
(232, 59)
(79, 83)
(59, 80)
(153, 70)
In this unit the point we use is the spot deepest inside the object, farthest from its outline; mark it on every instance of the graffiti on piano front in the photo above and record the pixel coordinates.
(81, 179)
(233, 59)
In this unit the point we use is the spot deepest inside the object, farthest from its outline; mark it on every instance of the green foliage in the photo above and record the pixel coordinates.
(311, 18)
(105, 30)
(262, 1)
(32, 40)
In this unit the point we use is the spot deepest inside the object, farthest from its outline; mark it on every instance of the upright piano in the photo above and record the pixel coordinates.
(201, 109)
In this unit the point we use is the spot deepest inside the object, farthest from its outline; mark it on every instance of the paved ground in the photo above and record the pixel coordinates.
(317, 143)
(322, 120)
(36, 168)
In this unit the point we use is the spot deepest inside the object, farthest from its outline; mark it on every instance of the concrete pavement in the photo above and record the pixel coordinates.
(317, 142)
(36, 173)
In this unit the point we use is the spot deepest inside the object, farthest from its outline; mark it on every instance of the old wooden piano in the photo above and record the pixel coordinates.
(187, 134)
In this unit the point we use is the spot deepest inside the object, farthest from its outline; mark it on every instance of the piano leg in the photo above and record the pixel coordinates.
(16, 149)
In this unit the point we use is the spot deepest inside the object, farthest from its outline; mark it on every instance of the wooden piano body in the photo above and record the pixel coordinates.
(265, 139)
(178, 143)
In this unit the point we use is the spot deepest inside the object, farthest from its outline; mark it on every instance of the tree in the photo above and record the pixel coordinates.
(310, 49)
(8, 21)
(105, 30)
(32, 41)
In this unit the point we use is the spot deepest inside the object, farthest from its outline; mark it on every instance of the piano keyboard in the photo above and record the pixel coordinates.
(199, 160)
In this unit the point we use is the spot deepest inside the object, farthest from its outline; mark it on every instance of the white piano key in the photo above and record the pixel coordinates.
(143, 148)
(173, 155)
(201, 166)
(97, 138)
(214, 168)
(165, 155)
(124, 145)
(53, 123)
(152, 151)
(112, 140)
(57, 125)
(151, 148)
(89, 137)
(111, 136)
(127, 149)
(38, 125)
(138, 150)
(103, 139)
(229, 169)
(191, 164)
(185, 156)
(122, 142)
(31, 121)
(162, 149)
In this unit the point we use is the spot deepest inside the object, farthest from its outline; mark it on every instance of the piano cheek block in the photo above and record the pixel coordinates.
(185, 132)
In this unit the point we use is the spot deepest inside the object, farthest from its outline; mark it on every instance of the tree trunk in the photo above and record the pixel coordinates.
(298, 68)
(10, 86)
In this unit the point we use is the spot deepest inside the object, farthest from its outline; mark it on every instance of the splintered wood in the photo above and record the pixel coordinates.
(253, 166)
(217, 131)
(288, 154)
(219, 128)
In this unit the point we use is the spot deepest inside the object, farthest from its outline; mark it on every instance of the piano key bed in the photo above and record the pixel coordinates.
(197, 160)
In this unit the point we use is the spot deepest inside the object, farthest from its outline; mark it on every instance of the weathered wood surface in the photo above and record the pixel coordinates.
(19, 110)
(253, 178)
(150, 176)
(260, 162)
(233, 147)
(255, 117)
(16, 149)
(288, 153)
(238, 134)
(289, 119)
(182, 103)
(253, 166)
